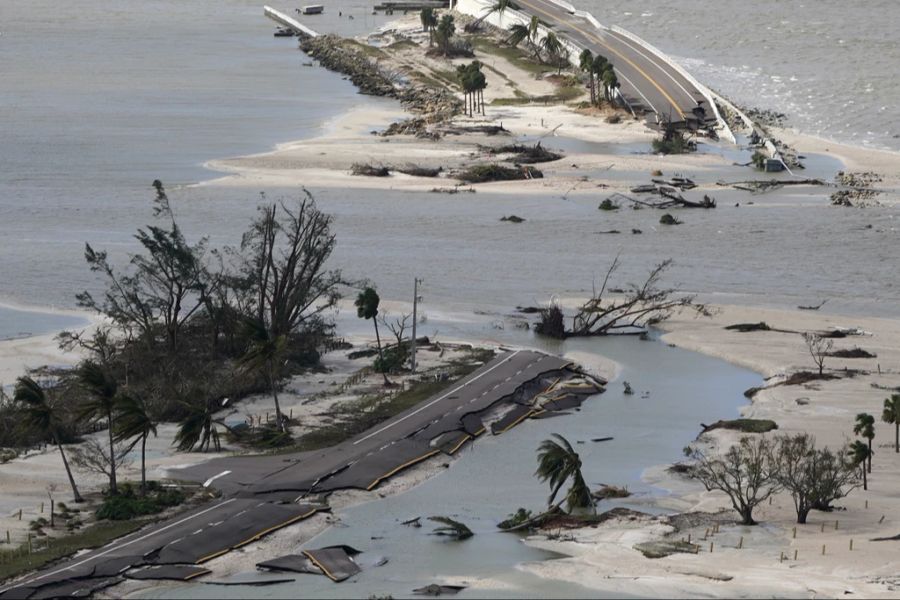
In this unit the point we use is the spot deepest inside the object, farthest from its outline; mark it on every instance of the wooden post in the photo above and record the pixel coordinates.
(795, 555)
(823, 549)
(20, 514)
(851, 544)
(781, 557)
(706, 535)
(823, 527)
(794, 533)
(835, 525)
(42, 508)
(7, 537)
(291, 417)
(29, 544)
(711, 547)
(881, 520)
(689, 538)
(867, 504)
(741, 543)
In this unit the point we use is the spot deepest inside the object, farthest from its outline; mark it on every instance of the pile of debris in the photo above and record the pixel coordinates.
(859, 188)
(669, 191)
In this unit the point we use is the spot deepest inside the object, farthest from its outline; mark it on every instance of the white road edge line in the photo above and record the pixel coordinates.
(214, 477)
(436, 400)
(96, 556)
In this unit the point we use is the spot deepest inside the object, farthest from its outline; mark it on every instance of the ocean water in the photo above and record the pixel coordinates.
(829, 65)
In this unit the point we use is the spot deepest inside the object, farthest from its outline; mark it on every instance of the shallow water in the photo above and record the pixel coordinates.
(16, 323)
(495, 476)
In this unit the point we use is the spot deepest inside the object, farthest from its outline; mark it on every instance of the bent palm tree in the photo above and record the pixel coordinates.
(557, 463)
(40, 415)
(859, 454)
(552, 47)
(102, 390)
(429, 22)
(518, 33)
(865, 427)
(265, 355)
(498, 7)
(134, 421)
(891, 414)
(198, 429)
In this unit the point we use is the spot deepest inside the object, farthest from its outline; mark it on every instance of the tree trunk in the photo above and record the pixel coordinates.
(897, 436)
(870, 456)
(747, 516)
(144, 465)
(78, 498)
(380, 352)
(279, 421)
(593, 95)
(113, 488)
(865, 482)
(802, 513)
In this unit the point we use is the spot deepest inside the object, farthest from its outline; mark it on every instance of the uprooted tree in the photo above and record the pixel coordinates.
(636, 308)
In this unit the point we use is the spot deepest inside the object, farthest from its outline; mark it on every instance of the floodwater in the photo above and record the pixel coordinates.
(495, 476)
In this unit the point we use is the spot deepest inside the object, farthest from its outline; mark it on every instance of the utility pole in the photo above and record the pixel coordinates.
(416, 282)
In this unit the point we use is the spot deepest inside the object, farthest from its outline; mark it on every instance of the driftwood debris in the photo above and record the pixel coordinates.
(813, 306)
(670, 195)
(759, 186)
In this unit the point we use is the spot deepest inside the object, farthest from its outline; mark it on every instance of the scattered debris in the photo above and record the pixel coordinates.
(608, 204)
(417, 171)
(435, 589)
(628, 391)
(369, 170)
(413, 522)
(814, 306)
(668, 219)
(513, 219)
(610, 491)
(743, 425)
(494, 172)
(603, 439)
(452, 190)
(526, 154)
(451, 528)
(665, 548)
(856, 352)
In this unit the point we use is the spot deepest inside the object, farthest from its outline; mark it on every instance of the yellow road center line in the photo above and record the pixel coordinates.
(611, 49)
(320, 565)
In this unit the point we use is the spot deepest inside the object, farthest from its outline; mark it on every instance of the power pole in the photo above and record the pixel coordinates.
(416, 282)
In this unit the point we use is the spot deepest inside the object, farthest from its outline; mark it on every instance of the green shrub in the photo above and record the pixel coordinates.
(127, 504)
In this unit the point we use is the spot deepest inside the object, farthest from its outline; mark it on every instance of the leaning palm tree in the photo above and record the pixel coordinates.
(557, 463)
(891, 414)
(102, 390)
(586, 64)
(865, 427)
(199, 428)
(134, 422)
(367, 308)
(518, 33)
(498, 7)
(265, 355)
(859, 454)
(41, 416)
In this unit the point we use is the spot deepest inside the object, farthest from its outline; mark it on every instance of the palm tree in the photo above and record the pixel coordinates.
(610, 82)
(551, 46)
(557, 463)
(498, 7)
(102, 390)
(517, 34)
(891, 414)
(859, 454)
(198, 429)
(367, 308)
(586, 64)
(865, 427)
(601, 65)
(429, 22)
(265, 355)
(40, 415)
(134, 421)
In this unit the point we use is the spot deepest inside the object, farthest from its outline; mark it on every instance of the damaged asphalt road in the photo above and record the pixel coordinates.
(263, 494)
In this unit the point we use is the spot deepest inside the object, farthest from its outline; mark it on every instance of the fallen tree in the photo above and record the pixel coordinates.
(632, 312)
